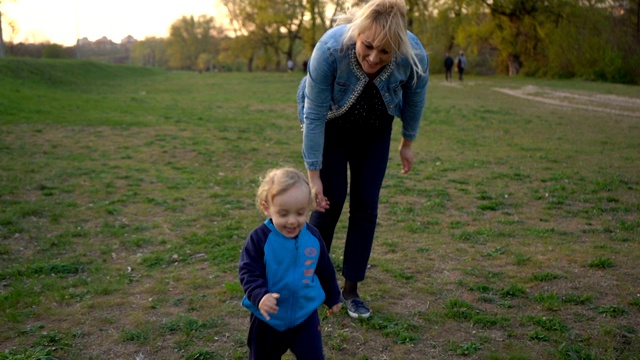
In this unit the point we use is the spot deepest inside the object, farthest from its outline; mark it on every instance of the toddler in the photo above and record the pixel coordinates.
(286, 272)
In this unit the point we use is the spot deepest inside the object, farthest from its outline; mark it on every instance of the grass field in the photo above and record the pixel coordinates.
(127, 193)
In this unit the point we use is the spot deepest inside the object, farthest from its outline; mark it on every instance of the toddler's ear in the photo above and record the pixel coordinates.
(265, 208)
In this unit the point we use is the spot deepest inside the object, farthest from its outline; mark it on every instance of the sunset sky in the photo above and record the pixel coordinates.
(64, 21)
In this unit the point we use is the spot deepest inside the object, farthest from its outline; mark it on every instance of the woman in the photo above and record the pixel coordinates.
(361, 74)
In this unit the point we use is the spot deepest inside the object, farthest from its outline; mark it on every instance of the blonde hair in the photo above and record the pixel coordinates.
(278, 181)
(389, 19)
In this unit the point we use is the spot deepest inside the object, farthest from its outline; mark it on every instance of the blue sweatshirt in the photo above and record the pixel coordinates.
(299, 269)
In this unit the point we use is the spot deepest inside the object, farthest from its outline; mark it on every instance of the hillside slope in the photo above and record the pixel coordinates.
(35, 91)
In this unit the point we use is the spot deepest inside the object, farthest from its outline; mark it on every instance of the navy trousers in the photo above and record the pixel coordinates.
(267, 343)
(364, 157)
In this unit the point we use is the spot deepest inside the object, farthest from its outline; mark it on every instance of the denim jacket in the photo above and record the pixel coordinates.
(335, 79)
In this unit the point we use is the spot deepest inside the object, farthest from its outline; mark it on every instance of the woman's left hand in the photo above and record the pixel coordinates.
(406, 155)
(322, 203)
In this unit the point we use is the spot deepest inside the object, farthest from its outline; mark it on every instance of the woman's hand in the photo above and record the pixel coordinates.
(322, 203)
(406, 155)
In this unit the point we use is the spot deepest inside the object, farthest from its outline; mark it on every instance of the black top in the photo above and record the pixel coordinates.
(367, 115)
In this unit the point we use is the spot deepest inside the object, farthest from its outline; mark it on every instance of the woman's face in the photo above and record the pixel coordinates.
(372, 58)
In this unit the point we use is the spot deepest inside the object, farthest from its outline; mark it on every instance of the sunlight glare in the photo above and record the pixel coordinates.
(64, 21)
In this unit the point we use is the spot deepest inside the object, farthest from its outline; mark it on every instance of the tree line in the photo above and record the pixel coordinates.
(589, 39)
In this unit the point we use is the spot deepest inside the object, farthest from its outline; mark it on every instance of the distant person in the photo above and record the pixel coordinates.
(285, 272)
(461, 64)
(363, 72)
(290, 65)
(448, 67)
(304, 66)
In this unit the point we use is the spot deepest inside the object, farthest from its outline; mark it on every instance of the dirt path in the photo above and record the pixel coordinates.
(613, 104)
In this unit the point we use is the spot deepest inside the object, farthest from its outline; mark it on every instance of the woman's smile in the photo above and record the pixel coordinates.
(372, 57)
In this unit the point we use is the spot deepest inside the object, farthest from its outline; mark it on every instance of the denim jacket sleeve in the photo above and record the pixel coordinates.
(314, 101)
(414, 93)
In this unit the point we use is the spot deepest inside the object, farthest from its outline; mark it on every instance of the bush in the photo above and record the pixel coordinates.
(54, 51)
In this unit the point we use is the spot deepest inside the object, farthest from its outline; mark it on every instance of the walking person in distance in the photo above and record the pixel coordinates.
(448, 67)
(461, 64)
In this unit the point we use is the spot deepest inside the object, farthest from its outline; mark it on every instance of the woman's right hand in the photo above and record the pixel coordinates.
(322, 203)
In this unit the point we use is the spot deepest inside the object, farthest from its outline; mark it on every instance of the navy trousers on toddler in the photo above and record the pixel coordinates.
(267, 343)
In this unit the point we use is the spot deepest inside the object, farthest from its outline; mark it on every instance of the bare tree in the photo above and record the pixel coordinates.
(322, 15)
(275, 26)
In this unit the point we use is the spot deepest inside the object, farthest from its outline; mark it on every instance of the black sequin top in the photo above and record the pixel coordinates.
(367, 115)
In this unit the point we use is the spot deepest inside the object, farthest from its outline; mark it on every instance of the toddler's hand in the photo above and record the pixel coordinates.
(334, 309)
(269, 305)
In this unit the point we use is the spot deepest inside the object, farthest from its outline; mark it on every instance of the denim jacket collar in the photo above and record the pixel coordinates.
(363, 78)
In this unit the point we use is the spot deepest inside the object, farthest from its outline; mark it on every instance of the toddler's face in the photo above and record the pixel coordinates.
(289, 210)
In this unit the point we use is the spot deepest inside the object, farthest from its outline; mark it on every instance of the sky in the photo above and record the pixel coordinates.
(64, 21)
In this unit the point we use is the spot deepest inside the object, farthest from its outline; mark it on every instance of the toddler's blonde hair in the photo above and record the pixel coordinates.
(278, 181)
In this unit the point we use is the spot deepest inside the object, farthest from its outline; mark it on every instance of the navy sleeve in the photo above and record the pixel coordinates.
(326, 272)
(251, 268)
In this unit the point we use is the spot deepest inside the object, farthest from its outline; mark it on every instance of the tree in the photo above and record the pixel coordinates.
(322, 14)
(54, 51)
(237, 51)
(1, 37)
(271, 26)
(2, 51)
(634, 14)
(515, 29)
(189, 38)
(591, 39)
(241, 20)
(436, 22)
(150, 52)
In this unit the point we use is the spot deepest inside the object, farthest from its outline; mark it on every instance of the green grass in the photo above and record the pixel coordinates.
(126, 194)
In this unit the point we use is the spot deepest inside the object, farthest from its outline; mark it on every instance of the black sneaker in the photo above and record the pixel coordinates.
(357, 308)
